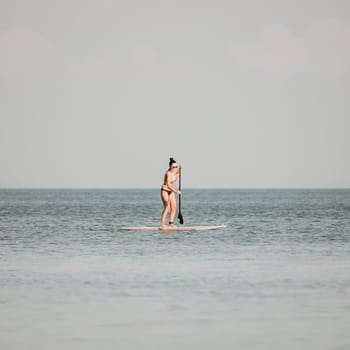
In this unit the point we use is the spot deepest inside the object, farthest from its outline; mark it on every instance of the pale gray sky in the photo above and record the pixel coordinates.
(242, 93)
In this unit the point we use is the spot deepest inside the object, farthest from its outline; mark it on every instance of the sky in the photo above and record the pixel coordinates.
(243, 94)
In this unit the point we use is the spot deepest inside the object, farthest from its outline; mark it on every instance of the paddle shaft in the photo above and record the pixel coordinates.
(180, 217)
(180, 193)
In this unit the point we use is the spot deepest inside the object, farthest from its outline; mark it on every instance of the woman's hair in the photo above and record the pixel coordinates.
(171, 161)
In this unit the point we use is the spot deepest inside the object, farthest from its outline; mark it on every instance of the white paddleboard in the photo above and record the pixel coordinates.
(169, 228)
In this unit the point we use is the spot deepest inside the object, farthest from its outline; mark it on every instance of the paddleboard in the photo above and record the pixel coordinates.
(169, 228)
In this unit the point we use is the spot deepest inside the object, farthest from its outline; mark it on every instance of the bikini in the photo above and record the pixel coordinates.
(167, 191)
(164, 184)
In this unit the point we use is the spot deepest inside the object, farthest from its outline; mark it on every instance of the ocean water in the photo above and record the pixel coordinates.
(278, 277)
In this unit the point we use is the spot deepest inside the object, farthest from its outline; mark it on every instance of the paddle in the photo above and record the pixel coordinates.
(181, 219)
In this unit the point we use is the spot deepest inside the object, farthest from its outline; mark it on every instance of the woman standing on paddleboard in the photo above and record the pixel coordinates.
(167, 192)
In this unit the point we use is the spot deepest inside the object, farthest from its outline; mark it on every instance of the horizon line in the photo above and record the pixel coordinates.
(186, 188)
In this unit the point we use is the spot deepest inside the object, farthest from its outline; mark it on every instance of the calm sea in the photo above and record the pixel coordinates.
(278, 277)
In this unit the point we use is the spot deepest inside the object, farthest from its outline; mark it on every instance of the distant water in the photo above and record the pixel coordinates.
(278, 277)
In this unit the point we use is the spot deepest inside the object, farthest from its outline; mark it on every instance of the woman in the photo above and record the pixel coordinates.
(167, 192)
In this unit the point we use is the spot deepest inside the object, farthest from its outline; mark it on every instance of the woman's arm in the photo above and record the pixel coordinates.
(169, 185)
(178, 173)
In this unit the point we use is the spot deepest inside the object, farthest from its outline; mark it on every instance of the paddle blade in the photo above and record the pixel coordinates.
(181, 219)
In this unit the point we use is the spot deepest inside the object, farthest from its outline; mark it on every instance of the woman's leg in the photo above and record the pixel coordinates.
(172, 203)
(165, 199)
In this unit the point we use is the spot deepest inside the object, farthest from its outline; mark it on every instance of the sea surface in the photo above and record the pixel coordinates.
(277, 277)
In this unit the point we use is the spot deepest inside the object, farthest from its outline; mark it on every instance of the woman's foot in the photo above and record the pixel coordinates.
(171, 224)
